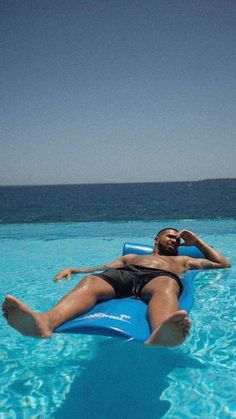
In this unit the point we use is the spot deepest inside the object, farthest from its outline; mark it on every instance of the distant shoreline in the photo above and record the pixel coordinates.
(118, 183)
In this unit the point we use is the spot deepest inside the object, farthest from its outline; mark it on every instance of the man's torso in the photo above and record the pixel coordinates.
(174, 264)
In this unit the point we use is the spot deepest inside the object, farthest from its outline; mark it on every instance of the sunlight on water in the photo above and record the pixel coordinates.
(212, 344)
(36, 376)
(104, 377)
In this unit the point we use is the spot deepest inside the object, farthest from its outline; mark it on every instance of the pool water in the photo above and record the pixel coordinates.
(78, 376)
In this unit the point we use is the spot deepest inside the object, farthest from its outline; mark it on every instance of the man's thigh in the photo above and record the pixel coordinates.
(97, 286)
(159, 286)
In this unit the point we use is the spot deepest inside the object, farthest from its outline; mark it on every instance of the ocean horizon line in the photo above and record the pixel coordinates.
(119, 183)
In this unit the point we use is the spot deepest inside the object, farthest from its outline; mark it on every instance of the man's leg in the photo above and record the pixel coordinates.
(78, 301)
(169, 325)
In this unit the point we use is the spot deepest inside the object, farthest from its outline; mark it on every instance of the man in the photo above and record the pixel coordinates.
(153, 278)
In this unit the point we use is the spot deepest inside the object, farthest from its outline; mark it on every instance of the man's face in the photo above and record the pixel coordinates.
(167, 243)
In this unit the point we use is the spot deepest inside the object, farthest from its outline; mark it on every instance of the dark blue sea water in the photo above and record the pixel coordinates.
(118, 202)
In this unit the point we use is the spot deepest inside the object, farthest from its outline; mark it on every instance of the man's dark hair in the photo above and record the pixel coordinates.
(164, 229)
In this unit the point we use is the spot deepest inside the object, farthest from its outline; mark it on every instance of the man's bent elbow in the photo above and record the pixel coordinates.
(227, 264)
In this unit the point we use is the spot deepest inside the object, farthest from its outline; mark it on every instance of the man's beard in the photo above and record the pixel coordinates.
(162, 250)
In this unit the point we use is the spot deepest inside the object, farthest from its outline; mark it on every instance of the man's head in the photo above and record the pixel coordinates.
(166, 242)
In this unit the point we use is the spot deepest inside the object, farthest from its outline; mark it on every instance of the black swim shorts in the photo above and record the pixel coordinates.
(130, 279)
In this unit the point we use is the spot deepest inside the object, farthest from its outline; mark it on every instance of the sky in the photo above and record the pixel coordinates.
(117, 91)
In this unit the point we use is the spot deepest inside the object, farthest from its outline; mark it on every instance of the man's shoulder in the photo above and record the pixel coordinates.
(130, 256)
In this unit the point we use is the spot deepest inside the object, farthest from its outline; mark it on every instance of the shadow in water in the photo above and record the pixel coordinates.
(125, 379)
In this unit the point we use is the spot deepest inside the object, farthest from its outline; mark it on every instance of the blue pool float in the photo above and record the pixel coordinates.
(127, 317)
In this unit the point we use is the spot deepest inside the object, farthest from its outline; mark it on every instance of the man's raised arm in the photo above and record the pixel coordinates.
(214, 260)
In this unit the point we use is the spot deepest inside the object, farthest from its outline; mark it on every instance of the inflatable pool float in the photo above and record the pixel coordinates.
(127, 317)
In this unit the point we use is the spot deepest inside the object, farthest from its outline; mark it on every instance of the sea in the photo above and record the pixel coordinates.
(118, 202)
(45, 228)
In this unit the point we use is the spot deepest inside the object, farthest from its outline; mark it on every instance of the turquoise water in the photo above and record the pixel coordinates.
(72, 376)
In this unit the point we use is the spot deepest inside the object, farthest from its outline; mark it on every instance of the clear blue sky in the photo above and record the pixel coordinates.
(117, 91)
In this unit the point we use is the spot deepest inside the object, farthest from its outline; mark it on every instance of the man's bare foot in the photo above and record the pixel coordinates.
(25, 320)
(172, 332)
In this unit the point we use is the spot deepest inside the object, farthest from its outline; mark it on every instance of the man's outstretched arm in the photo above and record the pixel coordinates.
(214, 259)
(67, 272)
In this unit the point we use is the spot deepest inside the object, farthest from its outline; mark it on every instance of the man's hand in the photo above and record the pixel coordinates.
(190, 239)
(65, 273)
